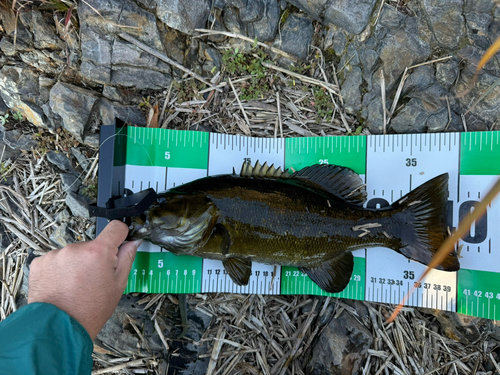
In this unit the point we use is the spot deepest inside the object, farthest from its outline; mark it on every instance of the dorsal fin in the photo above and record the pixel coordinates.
(262, 171)
(340, 181)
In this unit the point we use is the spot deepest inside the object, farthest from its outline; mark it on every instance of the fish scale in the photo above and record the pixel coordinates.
(390, 165)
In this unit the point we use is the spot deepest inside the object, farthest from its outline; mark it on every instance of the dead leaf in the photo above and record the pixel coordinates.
(153, 117)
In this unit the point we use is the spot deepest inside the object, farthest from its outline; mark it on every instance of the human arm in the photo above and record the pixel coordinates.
(82, 284)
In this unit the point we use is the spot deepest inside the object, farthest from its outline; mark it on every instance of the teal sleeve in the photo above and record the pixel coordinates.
(41, 339)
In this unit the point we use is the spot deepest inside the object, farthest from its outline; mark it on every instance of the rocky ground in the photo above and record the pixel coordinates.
(263, 68)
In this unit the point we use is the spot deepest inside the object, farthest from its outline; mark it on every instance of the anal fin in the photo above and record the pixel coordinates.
(334, 275)
(239, 269)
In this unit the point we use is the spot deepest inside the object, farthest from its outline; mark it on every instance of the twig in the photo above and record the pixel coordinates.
(165, 58)
(382, 91)
(278, 104)
(250, 40)
(328, 86)
(117, 368)
(239, 103)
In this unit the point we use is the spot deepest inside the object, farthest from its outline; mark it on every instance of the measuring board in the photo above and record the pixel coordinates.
(390, 165)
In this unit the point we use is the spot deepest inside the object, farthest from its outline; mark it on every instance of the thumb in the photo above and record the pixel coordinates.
(126, 256)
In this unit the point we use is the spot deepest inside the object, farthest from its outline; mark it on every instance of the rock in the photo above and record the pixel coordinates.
(373, 116)
(8, 152)
(216, 24)
(351, 15)
(341, 347)
(82, 160)
(441, 121)
(60, 161)
(139, 78)
(447, 73)
(477, 29)
(463, 328)
(420, 79)
(296, 35)
(17, 140)
(232, 21)
(7, 47)
(62, 236)
(90, 232)
(409, 51)
(70, 182)
(3, 107)
(108, 59)
(411, 119)
(252, 11)
(109, 111)
(44, 32)
(71, 107)
(185, 15)
(78, 204)
(350, 90)
(445, 20)
(19, 88)
(92, 140)
(175, 45)
(63, 217)
(214, 55)
(266, 27)
(488, 108)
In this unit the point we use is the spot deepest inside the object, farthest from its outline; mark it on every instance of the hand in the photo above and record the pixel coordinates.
(85, 279)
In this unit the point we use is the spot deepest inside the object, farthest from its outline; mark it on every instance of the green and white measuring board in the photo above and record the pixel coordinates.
(390, 165)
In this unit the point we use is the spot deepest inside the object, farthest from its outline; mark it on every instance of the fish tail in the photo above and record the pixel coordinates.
(422, 214)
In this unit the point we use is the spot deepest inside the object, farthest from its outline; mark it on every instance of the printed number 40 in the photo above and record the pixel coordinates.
(167, 155)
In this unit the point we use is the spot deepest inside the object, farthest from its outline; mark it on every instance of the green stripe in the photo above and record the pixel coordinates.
(345, 151)
(480, 153)
(171, 273)
(164, 148)
(479, 293)
(295, 282)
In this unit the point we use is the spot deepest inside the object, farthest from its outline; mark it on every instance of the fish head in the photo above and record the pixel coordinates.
(177, 222)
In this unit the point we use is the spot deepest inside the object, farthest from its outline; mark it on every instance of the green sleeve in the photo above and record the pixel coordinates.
(42, 339)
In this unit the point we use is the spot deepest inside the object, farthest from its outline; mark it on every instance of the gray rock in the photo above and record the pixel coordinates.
(46, 61)
(78, 204)
(373, 116)
(90, 232)
(60, 161)
(112, 93)
(19, 89)
(237, 3)
(477, 29)
(15, 139)
(62, 236)
(411, 119)
(441, 121)
(70, 182)
(445, 21)
(7, 47)
(103, 52)
(420, 79)
(82, 160)
(8, 152)
(214, 56)
(43, 30)
(447, 73)
(351, 15)
(488, 109)
(296, 35)
(408, 49)
(63, 217)
(44, 85)
(266, 27)
(109, 111)
(72, 107)
(148, 4)
(341, 348)
(217, 25)
(253, 11)
(3, 107)
(350, 90)
(232, 21)
(139, 78)
(185, 16)
(92, 140)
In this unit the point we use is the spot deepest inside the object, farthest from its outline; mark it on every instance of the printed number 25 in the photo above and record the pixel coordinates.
(411, 162)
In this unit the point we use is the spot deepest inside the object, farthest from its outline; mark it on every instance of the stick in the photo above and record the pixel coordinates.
(165, 58)
(239, 103)
(250, 40)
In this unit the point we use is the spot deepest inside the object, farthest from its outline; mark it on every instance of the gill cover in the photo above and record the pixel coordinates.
(178, 223)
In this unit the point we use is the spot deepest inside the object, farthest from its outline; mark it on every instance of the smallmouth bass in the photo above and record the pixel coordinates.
(312, 219)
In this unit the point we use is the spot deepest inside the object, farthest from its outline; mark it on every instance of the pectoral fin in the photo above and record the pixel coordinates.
(239, 269)
(334, 275)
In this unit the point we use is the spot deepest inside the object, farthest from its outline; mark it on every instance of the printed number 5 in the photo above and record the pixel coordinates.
(160, 263)
(167, 155)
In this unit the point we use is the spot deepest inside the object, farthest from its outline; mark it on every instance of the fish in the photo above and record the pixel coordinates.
(311, 219)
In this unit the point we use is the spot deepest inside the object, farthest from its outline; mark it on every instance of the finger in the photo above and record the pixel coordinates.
(126, 256)
(113, 235)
